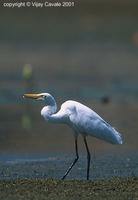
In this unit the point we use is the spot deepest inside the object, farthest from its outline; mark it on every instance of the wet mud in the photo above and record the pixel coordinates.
(115, 188)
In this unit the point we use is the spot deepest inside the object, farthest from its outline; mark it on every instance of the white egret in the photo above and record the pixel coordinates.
(80, 119)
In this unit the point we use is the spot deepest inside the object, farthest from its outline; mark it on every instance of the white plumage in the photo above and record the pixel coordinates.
(80, 119)
(87, 122)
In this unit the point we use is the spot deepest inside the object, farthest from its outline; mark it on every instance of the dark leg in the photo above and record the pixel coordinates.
(88, 158)
(77, 157)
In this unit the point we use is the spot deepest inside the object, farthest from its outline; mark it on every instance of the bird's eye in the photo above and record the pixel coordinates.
(43, 96)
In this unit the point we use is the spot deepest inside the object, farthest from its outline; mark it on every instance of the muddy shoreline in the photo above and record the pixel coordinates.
(114, 188)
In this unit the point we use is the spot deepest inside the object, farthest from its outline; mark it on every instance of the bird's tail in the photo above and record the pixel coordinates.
(116, 137)
(119, 139)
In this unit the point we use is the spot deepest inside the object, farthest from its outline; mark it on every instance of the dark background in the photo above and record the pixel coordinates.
(88, 53)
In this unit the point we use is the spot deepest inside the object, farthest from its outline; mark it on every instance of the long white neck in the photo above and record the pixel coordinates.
(49, 110)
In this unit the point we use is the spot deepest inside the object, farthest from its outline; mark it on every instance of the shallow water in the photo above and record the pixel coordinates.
(54, 166)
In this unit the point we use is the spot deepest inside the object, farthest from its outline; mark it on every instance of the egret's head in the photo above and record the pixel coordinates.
(42, 96)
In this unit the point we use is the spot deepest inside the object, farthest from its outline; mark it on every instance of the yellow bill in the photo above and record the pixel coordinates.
(33, 96)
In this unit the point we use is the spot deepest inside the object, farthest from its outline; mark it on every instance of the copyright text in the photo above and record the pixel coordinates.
(39, 5)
